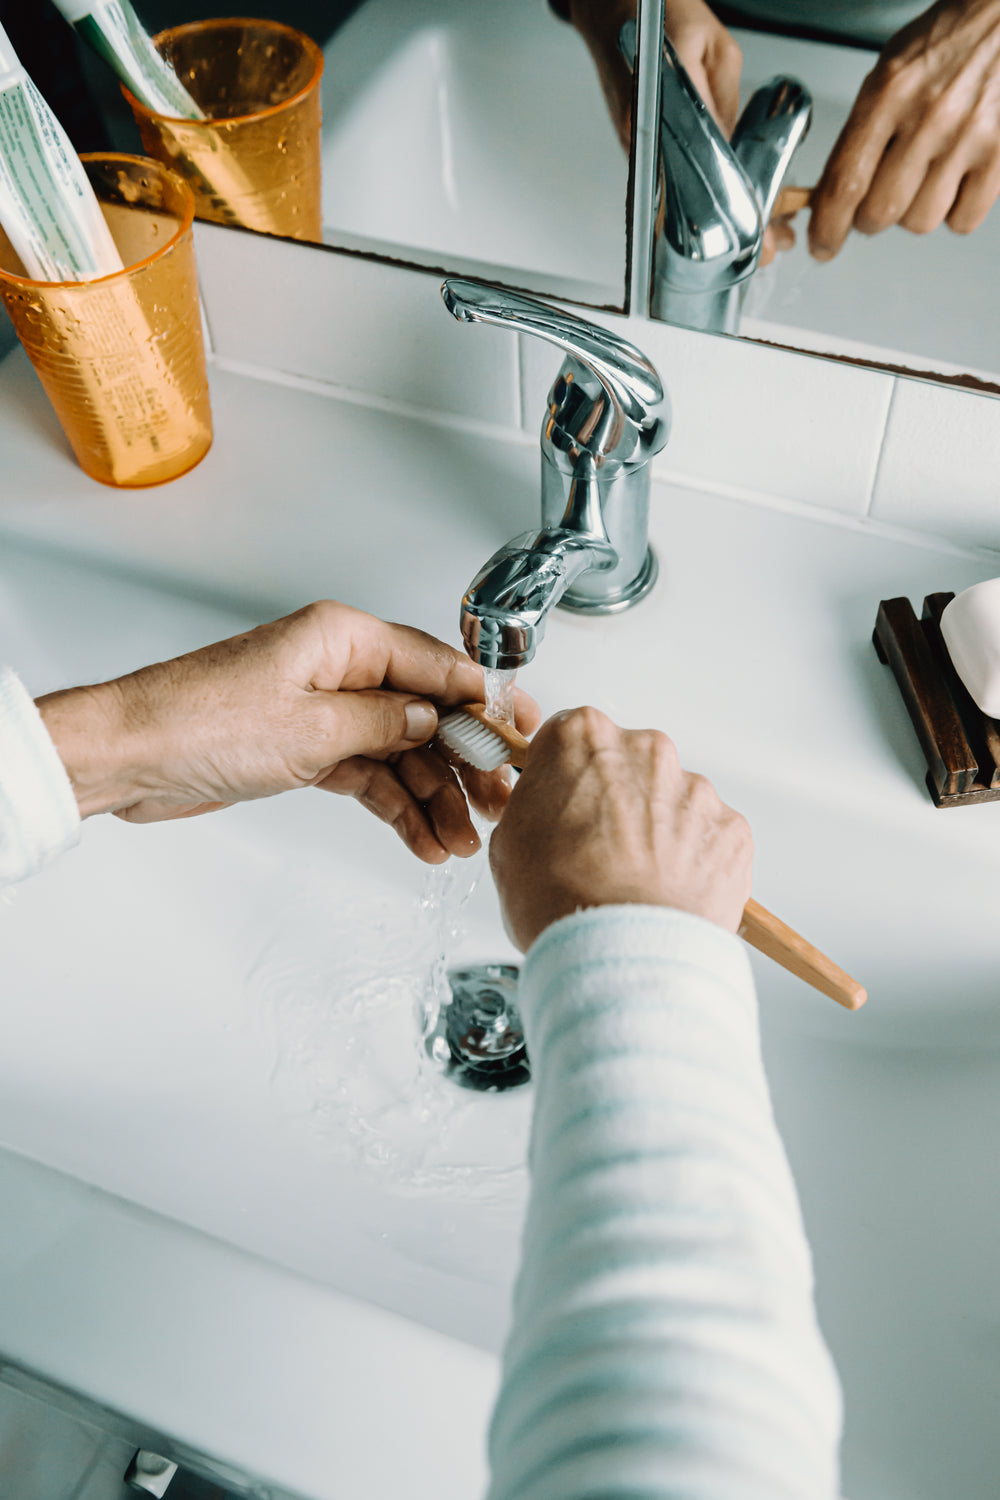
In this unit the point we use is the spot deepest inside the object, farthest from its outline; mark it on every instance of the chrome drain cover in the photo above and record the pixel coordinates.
(479, 1035)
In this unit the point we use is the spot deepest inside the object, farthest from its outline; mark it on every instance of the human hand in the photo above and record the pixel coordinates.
(778, 236)
(711, 56)
(922, 144)
(708, 51)
(603, 816)
(327, 697)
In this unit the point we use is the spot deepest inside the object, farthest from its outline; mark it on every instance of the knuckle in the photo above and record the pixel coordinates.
(662, 748)
(585, 722)
(890, 79)
(875, 220)
(324, 617)
(389, 719)
(920, 221)
(322, 609)
(365, 787)
(702, 793)
(846, 182)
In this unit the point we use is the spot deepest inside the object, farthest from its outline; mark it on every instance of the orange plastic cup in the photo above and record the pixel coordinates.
(122, 357)
(255, 161)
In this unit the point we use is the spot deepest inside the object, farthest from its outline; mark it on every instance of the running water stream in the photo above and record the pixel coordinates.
(344, 975)
(498, 685)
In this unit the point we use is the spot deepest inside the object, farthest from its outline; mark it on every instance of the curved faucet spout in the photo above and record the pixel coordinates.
(507, 603)
(716, 195)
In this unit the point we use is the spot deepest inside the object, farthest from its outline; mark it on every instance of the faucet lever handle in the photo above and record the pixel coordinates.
(630, 380)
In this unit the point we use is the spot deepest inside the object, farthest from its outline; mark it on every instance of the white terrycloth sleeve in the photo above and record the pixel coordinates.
(664, 1343)
(38, 812)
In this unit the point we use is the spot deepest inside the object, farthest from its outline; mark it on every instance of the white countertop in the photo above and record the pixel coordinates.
(170, 1037)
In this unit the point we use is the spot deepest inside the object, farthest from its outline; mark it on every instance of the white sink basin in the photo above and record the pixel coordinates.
(475, 137)
(248, 998)
(213, 1019)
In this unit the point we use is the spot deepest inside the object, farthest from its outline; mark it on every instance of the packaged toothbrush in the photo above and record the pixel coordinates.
(112, 29)
(47, 207)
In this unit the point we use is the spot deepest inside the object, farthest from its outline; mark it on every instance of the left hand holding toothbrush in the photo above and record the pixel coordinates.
(328, 697)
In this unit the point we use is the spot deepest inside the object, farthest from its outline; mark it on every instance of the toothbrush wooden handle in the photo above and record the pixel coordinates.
(790, 200)
(515, 741)
(759, 927)
(772, 937)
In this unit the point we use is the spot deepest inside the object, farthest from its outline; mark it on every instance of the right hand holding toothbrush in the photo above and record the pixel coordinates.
(603, 816)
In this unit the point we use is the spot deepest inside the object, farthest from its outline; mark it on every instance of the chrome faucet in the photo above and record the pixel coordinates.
(605, 418)
(715, 196)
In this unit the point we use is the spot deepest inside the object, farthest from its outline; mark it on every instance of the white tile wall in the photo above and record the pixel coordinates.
(378, 330)
(755, 419)
(764, 422)
(940, 469)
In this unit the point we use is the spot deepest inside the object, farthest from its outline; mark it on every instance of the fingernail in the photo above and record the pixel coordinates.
(820, 252)
(421, 721)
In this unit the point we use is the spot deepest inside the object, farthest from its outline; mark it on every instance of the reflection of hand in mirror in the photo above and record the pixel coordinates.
(779, 235)
(707, 50)
(922, 143)
(711, 56)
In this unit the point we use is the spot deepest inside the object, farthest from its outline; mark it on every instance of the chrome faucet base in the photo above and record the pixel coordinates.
(703, 312)
(606, 416)
(579, 604)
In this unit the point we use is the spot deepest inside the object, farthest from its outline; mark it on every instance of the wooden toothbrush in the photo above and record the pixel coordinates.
(790, 200)
(486, 744)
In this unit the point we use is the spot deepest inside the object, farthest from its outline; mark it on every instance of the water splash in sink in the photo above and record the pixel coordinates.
(350, 990)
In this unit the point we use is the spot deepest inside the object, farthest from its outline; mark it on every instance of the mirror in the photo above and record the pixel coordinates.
(467, 137)
(921, 303)
(475, 139)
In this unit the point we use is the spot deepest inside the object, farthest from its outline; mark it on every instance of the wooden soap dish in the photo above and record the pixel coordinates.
(961, 744)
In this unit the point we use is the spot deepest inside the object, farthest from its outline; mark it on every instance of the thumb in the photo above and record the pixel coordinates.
(378, 723)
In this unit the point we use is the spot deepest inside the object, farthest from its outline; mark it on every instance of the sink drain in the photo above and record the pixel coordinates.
(479, 1035)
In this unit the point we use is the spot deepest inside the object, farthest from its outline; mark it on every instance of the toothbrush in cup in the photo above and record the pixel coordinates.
(486, 744)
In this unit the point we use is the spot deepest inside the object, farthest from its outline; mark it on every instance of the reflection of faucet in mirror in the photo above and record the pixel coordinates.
(606, 416)
(716, 196)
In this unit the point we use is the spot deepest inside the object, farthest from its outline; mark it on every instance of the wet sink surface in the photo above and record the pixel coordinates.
(215, 1018)
(220, 1020)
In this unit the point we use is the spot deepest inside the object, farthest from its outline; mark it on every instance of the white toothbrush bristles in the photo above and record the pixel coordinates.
(474, 742)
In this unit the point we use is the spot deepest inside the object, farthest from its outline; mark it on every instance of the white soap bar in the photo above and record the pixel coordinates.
(970, 625)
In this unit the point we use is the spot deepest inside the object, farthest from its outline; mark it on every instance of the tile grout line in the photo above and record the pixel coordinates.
(802, 509)
(351, 396)
(883, 445)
